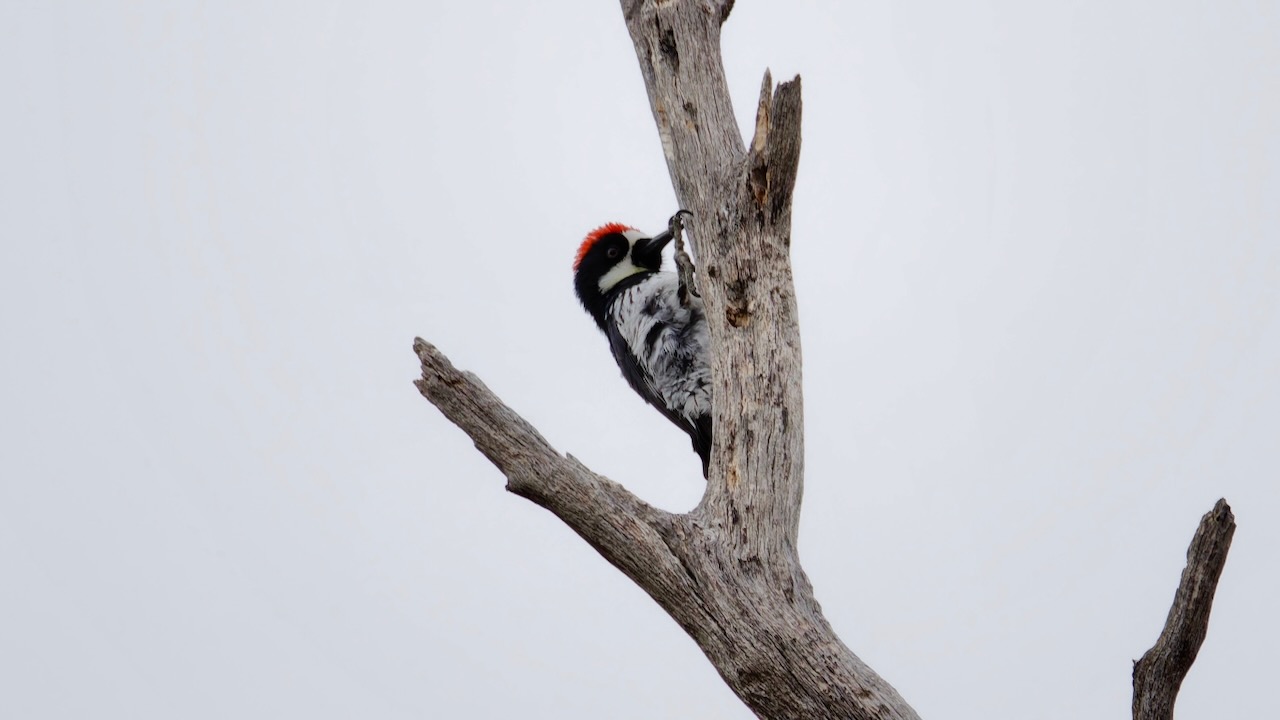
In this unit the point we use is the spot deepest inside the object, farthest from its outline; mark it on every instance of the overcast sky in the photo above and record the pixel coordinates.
(1037, 253)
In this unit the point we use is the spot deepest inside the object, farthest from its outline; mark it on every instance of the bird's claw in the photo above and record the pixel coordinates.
(684, 265)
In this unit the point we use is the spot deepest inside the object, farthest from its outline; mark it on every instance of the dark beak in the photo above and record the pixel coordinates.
(647, 253)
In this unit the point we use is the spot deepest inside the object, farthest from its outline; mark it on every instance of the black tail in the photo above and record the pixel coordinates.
(701, 434)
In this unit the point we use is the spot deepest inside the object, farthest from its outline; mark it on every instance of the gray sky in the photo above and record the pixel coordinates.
(1037, 252)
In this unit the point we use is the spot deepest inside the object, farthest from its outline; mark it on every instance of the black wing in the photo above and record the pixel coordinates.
(699, 429)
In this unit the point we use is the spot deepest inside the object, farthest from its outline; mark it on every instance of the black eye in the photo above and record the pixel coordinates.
(613, 253)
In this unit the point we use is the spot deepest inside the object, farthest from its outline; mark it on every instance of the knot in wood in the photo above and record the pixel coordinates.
(667, 45)
(737, 314)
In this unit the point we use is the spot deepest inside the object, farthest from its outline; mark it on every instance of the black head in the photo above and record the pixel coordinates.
(610, 255)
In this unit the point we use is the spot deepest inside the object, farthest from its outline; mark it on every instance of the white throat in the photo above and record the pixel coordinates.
(618, 273)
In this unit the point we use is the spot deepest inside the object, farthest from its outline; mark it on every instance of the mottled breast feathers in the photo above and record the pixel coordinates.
(663, 348)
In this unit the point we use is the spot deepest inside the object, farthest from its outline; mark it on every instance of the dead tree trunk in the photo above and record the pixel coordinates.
(727, 572)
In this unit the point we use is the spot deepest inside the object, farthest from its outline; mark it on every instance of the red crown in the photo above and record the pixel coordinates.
(594, 235)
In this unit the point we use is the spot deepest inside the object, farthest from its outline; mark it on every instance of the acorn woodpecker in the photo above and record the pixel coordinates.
(656, 329)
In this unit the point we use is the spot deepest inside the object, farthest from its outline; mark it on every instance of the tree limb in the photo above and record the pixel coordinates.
(1159, 674)
(774, 649)
(617, 523)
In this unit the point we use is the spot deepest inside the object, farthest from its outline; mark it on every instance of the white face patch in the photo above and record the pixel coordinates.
(625, 268)
(618, 273)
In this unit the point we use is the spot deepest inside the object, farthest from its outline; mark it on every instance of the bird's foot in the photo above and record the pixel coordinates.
(684, 265)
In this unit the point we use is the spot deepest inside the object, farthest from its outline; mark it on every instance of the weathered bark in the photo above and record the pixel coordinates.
(1159, 674)
(752, 614)
(728, 572)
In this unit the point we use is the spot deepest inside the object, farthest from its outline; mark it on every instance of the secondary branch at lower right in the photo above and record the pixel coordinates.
(1159, 674)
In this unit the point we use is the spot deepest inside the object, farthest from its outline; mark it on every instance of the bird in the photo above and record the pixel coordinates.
(656, 329)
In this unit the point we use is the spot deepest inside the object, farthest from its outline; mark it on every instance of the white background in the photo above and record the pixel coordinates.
(1037, 252)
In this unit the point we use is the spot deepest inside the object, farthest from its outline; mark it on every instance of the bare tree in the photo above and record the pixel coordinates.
(727, 572)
